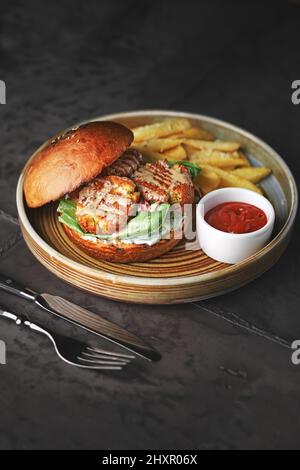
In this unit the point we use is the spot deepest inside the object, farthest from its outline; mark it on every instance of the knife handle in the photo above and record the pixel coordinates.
(13, 287)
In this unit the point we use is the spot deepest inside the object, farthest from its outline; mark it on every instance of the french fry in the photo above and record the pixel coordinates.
(207, 181)
(230, 168)
(159, 145)
(190, 151)
(238, 159)
(216, 158)
(149, 154)
(223, 163)
(223, 146)
(177, 153)
(160, 129)
(245, 159)
(231, 180)
(255, 175)
(195, 133)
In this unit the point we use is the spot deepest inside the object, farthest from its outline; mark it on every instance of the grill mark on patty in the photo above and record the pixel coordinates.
(156, 176)
(159, 183)
(127, 164)
(104, 204)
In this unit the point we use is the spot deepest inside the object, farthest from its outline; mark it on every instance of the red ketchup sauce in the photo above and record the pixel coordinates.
(236, 217)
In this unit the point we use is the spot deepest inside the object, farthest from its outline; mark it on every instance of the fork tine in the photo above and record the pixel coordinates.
(108, 353)
(107, 357)
(90, 367)
(101, 363)
(99, 357)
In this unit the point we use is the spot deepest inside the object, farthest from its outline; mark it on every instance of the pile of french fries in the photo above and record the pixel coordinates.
(223, 163)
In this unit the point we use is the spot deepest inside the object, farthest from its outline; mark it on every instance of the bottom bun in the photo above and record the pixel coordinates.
(122, 252)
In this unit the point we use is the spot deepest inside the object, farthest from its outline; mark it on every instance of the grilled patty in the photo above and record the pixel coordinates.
(105, 204)
(127, 164)
(159, 183)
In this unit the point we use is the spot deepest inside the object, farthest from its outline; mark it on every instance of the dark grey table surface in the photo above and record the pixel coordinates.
(218, 386)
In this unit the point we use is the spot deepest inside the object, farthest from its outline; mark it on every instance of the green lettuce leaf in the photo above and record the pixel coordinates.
(145, 225)
(173, 221)
(67, 211)
(67, 206)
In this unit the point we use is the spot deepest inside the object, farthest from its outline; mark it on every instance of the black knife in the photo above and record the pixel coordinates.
(82, 318)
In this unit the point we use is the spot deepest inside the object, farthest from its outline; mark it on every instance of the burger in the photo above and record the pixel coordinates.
(111, 203)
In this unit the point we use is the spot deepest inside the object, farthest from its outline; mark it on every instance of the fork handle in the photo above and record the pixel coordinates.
(35, 327)
(22, 320)
(13, 287)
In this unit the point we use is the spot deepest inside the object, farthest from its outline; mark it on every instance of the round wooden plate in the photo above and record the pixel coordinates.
(185, 274)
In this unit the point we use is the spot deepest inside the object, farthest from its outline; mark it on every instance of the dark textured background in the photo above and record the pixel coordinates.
(218, 385)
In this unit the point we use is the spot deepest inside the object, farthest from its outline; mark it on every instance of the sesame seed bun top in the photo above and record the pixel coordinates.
(73, 159)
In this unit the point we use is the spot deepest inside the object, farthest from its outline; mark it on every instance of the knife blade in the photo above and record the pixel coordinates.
(82, 318)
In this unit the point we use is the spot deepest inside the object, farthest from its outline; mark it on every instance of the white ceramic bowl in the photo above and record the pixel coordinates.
(230, 247)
